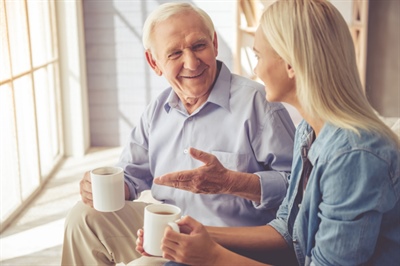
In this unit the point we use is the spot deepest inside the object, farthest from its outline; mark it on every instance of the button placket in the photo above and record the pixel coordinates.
(187, 134)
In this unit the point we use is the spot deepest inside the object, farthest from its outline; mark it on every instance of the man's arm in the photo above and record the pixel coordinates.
(274, 143)
(273, 146)
(244, 185)
(213, 178)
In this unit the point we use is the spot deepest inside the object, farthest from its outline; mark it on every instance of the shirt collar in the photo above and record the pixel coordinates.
(219, 94)
(319, 143)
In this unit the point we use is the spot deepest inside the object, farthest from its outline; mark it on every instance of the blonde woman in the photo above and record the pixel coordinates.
(342, 206)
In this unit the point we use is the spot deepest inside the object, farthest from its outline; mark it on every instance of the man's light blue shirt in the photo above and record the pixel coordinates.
(238, 126)
(350, 213)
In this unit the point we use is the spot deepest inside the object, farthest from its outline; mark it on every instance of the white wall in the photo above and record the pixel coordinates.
(73, 77)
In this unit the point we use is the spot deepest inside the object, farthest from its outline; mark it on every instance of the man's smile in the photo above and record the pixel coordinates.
(194, 76)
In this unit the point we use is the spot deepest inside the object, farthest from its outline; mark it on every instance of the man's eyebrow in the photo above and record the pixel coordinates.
(172, 50)
(175, 48)
(202, 39)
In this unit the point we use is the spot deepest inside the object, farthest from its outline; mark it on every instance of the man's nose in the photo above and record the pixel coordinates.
(191, 61)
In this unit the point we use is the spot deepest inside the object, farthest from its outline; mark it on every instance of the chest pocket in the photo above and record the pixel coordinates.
(233, 161)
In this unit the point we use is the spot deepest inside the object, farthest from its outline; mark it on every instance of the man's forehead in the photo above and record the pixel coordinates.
(178, 31)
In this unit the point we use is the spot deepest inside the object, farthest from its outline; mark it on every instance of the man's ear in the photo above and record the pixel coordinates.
(152, 62)
(215, 43)
(290, 71)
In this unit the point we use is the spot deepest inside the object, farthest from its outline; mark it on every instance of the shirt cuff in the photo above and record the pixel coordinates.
(280, 226)
(273, 189)
(132, 191)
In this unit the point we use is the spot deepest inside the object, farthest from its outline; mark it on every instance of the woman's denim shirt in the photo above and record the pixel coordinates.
(350, 212)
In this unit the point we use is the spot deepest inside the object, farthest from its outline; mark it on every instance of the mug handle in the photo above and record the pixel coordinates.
(174, 227)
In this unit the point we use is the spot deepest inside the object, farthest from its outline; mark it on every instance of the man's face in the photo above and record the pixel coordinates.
(185, 54)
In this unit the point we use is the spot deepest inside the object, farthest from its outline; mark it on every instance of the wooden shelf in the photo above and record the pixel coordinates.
(250, 30)
(249, 12)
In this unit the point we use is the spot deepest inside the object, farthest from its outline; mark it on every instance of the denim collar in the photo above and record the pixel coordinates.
(319, 143)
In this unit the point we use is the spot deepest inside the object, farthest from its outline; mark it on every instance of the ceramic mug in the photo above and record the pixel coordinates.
(108, 188)
(156, 218)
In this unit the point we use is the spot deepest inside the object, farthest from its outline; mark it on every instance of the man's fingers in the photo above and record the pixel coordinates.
(174, 184)
(87, 177)
(89, 196)
(202, 156)
(86, 192)
(87, 202)
(173, 179)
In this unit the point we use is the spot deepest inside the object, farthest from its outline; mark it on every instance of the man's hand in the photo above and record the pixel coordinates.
(85, 186)
(86, 189)
(211, 178)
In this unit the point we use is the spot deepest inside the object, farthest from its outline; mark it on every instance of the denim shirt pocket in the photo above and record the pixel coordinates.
(233, 161)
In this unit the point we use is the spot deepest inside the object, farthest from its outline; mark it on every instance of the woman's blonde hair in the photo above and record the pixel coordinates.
(313, 37)
(167, 10)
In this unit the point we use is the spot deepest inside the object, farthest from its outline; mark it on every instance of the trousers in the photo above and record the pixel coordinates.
(104, 238)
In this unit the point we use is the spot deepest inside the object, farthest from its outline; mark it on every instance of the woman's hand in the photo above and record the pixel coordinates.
(192, 246)
(139, 243)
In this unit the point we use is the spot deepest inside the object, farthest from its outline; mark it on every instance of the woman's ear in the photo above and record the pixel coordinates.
(152, 62)
(290, 71)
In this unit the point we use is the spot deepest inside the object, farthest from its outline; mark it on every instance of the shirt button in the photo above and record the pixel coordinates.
(185, 151)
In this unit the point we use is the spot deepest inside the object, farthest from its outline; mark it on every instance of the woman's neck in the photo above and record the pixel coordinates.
(315, 122)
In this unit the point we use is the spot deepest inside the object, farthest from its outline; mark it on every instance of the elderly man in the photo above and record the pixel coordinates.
(235, 174)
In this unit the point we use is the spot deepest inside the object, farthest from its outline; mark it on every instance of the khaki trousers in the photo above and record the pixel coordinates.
(104, 238)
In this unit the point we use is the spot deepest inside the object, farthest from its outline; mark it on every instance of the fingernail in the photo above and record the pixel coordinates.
(183, 216)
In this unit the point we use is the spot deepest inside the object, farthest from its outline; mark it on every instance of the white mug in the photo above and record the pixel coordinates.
(156, 218)
(108, 188)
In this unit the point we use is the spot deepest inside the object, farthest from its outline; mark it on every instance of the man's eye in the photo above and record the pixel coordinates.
(174, 55)
(199, 46)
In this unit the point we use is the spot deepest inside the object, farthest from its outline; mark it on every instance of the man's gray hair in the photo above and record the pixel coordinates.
(167, 10)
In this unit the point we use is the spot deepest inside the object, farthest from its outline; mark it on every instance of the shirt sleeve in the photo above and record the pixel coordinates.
(275, 146)
(280, 223)
(134, 159)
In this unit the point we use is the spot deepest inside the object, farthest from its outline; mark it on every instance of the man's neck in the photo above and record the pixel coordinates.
(192, 103)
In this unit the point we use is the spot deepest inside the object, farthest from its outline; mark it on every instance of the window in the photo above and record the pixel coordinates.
(30, 109)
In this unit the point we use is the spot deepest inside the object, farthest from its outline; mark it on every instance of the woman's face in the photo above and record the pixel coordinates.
(277, 75)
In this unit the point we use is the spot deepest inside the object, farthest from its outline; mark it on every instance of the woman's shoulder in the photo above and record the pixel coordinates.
(336, 142)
